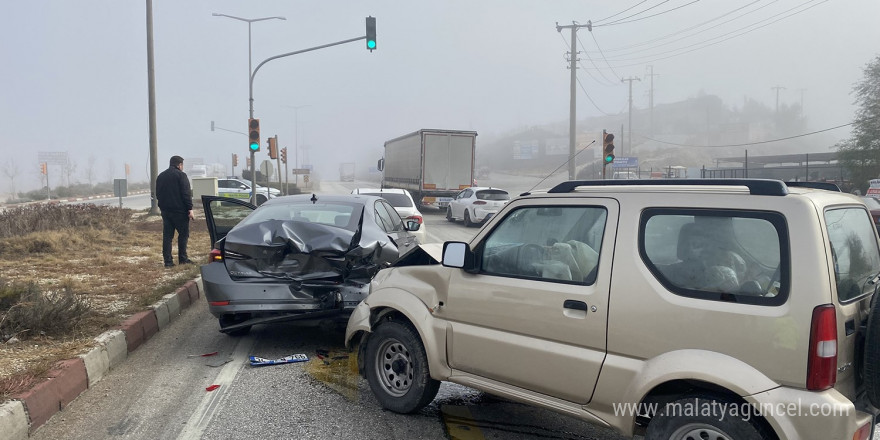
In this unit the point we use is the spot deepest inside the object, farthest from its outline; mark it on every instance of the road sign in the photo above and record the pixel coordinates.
(300, 171)
(306, 178)
(625, 162)
(266, 168)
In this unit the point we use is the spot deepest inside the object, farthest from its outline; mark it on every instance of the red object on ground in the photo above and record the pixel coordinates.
(212, 387)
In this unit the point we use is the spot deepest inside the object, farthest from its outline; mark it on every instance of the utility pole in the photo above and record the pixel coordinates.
(777, 88)
(572, 109)
(630, 138)
(802, 100)
(651, 97)
(278, 160)
(151, 105)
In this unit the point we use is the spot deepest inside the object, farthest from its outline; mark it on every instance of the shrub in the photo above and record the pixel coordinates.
(48, 217)
(37, 313)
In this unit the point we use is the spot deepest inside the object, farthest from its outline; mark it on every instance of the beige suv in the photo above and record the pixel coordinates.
(673, 309)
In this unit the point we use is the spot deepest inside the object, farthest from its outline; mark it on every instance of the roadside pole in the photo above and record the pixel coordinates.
(278, 162)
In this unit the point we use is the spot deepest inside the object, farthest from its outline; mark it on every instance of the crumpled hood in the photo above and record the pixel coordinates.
(300, 251)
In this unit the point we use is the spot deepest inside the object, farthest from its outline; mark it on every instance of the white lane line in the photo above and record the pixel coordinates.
(200, 419)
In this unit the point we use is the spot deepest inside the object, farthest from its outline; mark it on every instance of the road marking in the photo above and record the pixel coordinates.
(460, 424)
(200, 419)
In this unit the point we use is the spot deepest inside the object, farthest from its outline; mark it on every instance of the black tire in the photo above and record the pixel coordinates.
(226, 321)
(705, 416)
(467, 219)
(396, 367)
(871, 364)
(449, 214)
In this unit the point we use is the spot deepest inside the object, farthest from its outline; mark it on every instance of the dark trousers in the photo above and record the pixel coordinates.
(172, 221)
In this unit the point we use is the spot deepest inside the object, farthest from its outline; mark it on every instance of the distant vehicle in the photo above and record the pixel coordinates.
(476, 205)
(624, 175)
(346, 172)
(240, 189)
(198, 171)
(302, 257)
(433, 165)
(874, 206)
(403, 203)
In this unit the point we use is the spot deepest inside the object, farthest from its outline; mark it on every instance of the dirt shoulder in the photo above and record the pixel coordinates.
(115, 273)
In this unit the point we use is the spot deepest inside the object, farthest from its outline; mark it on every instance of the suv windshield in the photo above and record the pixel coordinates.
(396, 200)
(854, 251)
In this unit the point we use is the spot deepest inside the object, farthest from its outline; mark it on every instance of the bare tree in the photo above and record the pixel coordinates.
(69, 168)
(90, 170)
(108, 172)
(11, 171)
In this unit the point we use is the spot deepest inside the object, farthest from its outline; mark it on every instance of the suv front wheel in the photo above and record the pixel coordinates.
(708, 417)
(397, 368)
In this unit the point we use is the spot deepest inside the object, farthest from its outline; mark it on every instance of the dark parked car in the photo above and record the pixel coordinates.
(303, 257)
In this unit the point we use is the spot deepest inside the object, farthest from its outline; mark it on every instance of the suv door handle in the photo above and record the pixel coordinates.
(574, 305)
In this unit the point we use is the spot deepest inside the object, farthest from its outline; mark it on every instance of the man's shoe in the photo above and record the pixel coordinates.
(169, 264)
(187, 261)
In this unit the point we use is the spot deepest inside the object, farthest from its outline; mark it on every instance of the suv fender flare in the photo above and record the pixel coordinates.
(645, 380)
(432, 331)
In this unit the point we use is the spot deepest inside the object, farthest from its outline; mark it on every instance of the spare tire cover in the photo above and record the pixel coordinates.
(871, 365)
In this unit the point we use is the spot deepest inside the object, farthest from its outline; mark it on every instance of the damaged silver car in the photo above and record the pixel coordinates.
(305, 257)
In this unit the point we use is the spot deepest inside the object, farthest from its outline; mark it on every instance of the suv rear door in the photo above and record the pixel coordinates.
(534, 314)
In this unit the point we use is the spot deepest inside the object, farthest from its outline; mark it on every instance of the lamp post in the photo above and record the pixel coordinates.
(296, 139)
(250, 103)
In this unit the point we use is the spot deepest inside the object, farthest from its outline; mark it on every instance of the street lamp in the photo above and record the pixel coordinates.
(250, 75)
(296, 138)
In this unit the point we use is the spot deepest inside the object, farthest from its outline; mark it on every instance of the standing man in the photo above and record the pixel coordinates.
(175, 201)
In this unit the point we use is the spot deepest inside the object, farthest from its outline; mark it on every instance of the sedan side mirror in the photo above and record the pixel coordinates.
(458, 254)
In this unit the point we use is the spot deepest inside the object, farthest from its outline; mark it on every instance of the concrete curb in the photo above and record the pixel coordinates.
(31, 409)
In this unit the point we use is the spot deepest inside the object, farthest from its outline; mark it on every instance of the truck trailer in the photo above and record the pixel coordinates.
(346, 172)
(433, 165)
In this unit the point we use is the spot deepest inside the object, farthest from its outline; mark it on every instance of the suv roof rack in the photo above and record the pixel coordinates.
(758, 187)
(827, 186)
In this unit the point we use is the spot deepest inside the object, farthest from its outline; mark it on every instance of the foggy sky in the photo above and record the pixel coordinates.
(74, 72)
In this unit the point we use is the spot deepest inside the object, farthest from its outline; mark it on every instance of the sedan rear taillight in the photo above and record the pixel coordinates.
(215, 255)
(417, 218)
(822, 359)
(479, 202)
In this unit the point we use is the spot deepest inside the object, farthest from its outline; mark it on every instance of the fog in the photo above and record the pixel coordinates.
(75, 77)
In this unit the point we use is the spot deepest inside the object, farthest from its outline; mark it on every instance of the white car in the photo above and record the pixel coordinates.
(241, 189)
(476, 205)
(403, 203)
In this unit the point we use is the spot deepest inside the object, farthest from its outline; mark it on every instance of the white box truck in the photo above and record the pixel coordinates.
(346, 172)
(434, 165)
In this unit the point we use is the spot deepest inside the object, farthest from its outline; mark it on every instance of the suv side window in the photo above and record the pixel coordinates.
(553, 243)
(722, 255)
(853, 251)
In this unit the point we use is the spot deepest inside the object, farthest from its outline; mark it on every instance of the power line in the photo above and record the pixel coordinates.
(645, 43)
(621, 12)
(591, 99)
(643, 18)
(641, 60)
(637, 13)
(603, 56)
(568, 48)
(746, 144)
(610, 82)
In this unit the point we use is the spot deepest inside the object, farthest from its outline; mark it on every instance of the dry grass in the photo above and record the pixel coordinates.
(114, 266)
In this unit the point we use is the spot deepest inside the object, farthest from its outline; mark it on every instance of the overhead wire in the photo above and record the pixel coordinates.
(644, 18)
(621, 12)
(589, 98)
(592, 62)
(606, 59)
(637, 13)
(661, 38)
(748, 143)
(568, 48)
(652, 58)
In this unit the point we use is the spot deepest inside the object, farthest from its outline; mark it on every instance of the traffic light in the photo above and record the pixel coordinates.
(254, 134)
(371, 33)
(273, 148)
(234, 160)
(43, 169)
(284, 155)
(247, 162)
(607, 147)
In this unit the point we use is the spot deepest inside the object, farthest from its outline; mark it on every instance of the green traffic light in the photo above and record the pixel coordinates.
(371, 44)
(255, 146)
(609, 158)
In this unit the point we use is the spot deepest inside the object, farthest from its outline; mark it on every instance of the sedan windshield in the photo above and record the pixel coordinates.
(493, 194)
(343, 215)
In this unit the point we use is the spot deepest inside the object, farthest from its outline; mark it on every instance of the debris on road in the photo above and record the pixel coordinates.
(258, 361)
(214, 353)
(212, 388)
(216, 362)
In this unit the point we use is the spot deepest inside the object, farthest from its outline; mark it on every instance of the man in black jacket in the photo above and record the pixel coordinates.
(175, 200)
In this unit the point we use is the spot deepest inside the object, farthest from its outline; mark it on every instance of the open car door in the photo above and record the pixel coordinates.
(223, 213)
